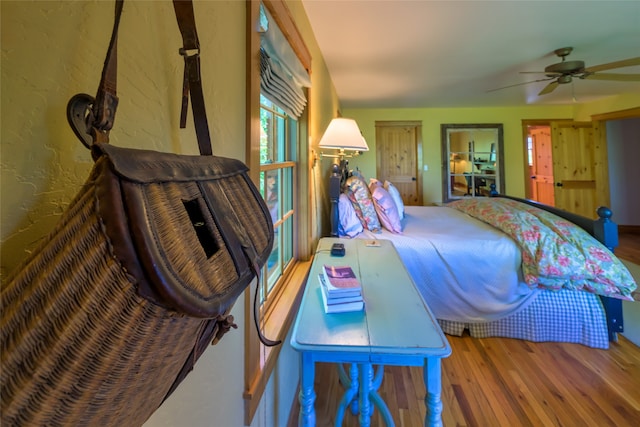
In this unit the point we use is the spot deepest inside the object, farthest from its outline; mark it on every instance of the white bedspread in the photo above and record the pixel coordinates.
(465, 269)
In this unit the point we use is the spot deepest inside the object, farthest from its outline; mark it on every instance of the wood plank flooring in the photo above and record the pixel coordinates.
(629, 246)
(629, 249)
(505, 382)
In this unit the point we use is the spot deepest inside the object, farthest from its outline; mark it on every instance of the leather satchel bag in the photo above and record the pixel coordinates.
(111, 312)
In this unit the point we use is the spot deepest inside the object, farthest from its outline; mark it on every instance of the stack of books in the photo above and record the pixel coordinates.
(341, 289)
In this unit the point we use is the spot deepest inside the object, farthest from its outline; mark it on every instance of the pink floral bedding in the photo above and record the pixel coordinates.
(556, 253)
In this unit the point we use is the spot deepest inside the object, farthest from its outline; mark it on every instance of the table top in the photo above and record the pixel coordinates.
(396, 323)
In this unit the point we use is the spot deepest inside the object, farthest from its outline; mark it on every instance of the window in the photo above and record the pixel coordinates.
(278, 142)
(278, 161)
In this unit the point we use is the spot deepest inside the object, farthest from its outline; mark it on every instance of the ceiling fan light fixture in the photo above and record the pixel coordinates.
(564, 79)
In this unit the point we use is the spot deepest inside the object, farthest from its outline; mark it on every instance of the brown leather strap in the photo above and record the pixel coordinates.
(191, 53)
(106, 101)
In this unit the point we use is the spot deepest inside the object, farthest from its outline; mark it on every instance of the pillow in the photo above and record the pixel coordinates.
(358, 193)
(373, 183)
(397, 198)
(349, 224)
(385, 208)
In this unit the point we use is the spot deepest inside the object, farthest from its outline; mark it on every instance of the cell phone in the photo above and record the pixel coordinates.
(337, 249)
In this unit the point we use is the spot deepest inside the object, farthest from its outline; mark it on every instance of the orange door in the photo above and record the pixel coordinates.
(542, 169)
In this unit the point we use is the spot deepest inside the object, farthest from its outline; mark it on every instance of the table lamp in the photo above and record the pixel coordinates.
(341, 134)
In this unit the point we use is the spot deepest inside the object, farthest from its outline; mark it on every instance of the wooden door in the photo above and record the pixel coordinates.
(541, 173)
(397, 158)
(579, 167)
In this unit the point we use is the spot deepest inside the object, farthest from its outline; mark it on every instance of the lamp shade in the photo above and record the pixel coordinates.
(343, 134)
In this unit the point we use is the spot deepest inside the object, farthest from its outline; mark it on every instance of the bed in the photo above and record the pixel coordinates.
(475, 277)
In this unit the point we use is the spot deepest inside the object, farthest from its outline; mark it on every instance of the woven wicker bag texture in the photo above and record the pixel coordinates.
(79, 345)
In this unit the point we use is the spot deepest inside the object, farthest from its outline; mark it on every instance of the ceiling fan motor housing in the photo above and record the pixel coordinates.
(565, 68)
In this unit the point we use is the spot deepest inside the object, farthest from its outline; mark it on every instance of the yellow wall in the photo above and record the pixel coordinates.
(510, 117)
(52, 50)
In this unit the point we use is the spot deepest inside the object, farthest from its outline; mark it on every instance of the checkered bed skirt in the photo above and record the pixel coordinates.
(558, 316)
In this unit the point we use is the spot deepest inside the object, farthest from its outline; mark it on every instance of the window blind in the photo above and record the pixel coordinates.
(282, 76)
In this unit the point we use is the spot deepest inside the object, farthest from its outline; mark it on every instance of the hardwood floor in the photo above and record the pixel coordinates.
(629, 249)
(506, 382)
(629, 245)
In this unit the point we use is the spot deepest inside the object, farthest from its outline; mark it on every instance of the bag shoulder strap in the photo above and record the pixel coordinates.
(192, 82)
(92, 119)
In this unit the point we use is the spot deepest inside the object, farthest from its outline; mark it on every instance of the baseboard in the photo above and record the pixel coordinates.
(629, 229)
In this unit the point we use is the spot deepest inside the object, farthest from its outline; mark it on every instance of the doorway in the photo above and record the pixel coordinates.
(569, 167)
(539, 165)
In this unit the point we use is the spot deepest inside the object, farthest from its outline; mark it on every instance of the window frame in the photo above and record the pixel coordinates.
(283, 161)
(278, 317)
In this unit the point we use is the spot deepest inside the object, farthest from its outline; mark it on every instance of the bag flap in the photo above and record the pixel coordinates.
(146, 166)
(189, 228)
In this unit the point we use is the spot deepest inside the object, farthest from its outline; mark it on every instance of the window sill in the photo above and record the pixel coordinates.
(276, 326)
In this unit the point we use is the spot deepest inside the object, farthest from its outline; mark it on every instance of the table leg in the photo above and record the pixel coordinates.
(307, 396)
(351, 394)
(366, 381)
(377, 400)
(433, 384)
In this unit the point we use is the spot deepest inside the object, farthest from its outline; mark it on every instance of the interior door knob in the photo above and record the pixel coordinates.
(558, 184)
(533, 177)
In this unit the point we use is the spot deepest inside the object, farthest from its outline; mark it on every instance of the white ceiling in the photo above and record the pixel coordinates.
(422, 53)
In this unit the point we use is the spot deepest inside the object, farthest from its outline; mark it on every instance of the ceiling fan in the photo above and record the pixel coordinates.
(563, 72)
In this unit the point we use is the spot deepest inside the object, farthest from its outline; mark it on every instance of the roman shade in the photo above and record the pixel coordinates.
(282, 76)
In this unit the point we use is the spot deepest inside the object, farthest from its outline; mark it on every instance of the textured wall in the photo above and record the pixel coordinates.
(53, 50)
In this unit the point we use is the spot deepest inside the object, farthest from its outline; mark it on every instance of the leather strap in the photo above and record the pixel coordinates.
(106, 101)
(191, 81)
(103, 112)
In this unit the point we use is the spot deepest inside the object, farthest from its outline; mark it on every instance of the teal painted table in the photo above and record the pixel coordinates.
(396, 328)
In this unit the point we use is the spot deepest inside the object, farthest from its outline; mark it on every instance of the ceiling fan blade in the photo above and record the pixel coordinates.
(614, 77)
(520, 84)
(549, 88)
(611, 65)
(541, 72)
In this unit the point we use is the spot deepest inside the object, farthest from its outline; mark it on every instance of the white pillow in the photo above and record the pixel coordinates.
(348, 222)
(397, 198)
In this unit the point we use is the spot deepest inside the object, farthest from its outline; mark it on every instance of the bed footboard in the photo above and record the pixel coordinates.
(606, 232)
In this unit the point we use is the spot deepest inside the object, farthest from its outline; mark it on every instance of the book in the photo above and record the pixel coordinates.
(337, 305)
(337, 299)
(341, 280)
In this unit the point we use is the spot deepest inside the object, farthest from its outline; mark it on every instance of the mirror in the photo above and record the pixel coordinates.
(472, 160)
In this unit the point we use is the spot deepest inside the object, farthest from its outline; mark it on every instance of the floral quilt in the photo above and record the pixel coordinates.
(556, 253)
